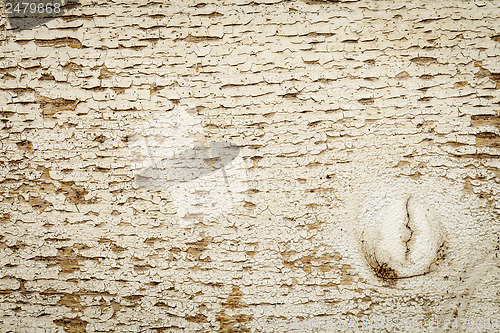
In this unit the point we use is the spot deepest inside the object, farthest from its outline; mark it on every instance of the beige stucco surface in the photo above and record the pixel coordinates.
(365, 184)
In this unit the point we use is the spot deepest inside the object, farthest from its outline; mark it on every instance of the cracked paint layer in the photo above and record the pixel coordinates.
(402, 236)
(365, 185)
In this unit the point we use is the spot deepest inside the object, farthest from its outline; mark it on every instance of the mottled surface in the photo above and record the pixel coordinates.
(329, 101)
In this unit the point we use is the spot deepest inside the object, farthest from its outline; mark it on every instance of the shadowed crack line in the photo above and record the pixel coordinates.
(407, 225)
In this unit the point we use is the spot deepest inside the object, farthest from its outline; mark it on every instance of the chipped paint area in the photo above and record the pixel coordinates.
(342, 111)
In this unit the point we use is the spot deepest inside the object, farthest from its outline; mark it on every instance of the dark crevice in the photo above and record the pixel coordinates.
(407, 225)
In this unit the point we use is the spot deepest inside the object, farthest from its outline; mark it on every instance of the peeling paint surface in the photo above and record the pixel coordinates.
(361, 127)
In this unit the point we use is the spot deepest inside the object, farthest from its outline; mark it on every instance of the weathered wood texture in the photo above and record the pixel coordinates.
(366, 183)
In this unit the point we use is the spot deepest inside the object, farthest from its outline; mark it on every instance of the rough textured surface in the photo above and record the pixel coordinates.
(330, 102)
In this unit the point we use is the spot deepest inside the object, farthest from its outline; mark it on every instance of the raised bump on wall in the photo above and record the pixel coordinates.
(402, 238)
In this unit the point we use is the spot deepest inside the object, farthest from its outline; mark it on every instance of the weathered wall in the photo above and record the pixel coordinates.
(366, 185)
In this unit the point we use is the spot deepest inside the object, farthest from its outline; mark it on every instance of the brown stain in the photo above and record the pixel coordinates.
(54, 239)
(197, 66)
(80, 16)
(8, 76)
(51, 106)
(471, 189)
(119, 90)
(16, 247)
(162, 304)
(60, 42)
(8, 291)
(175, 250)
(483, 72)
(38, 203)
(321, 34)
(152, 240)
(114, 247)
(68, 264)
(249, 205)
(348, 275)
(68, 258)
(142, 268)
(25, 145)
(100, 139)
(22, 42)
(403, 164)
(198, 39)
(234, 299)
(80, 292)
(20, 91)
(211, 14)
(98, 89)
(478, 156)
(72, 325)
(381, 269)
(235, 322)
(45, 173)
(384, 271)
(460, 84)
(6, 113)
(441, 254)
(315, 225)
(5, 218)
(324, 263)
(81, 247)
(154, 89)
(72, 302)
(133, 47)
(169, 328)
(367, 300)
(485, 120)
(105, 73)
(320, 2)
(65, 250)
(133, 300)
(47, 77)
(41, 187)
(455, 144)
(291, 95)
(72, 67)
(423, 60)
(198, 318)
(403, 75)
(366, 101)
(195, 217)
(73, 193)
(487, 139)
(427, 126)
(196, 248)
